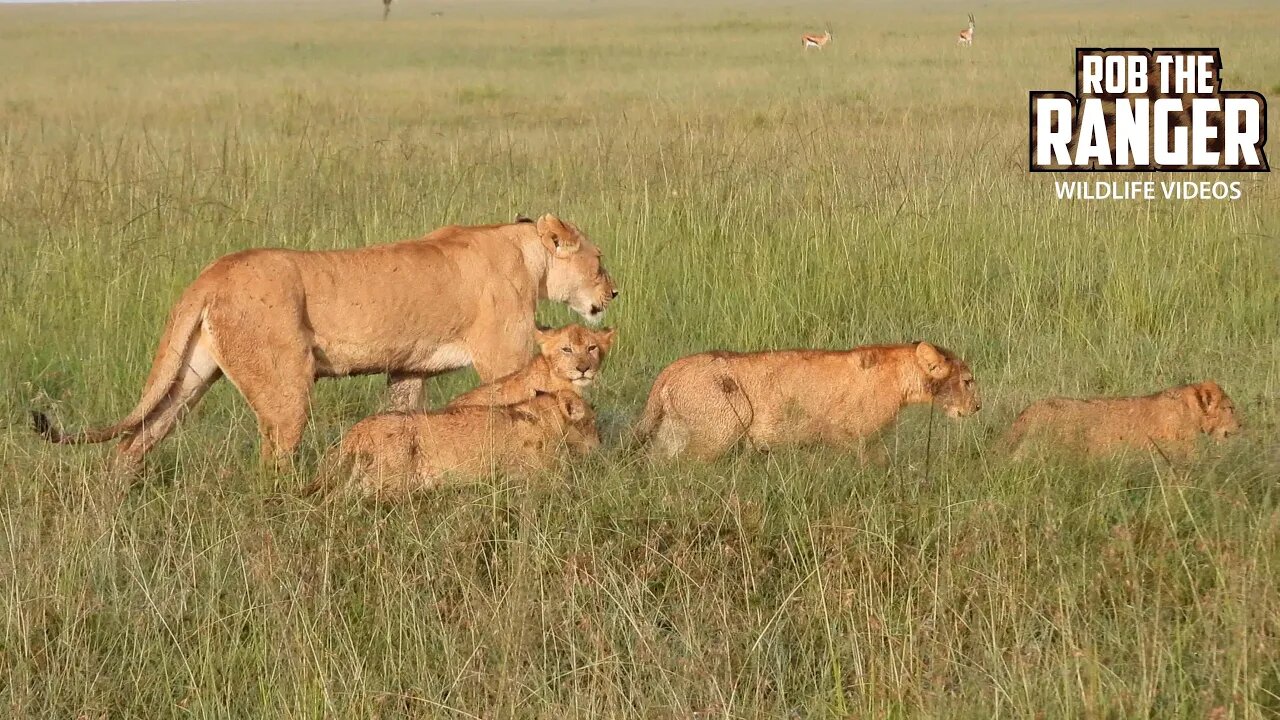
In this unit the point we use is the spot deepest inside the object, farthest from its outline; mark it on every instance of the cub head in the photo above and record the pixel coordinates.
(574, 352)
(1214, 410)
(949, 380)
(572, 417)
(575, 273)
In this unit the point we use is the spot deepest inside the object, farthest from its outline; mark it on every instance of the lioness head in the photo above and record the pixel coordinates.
(1216, 412)
(949, 380)
(575, 274)
(574, 352)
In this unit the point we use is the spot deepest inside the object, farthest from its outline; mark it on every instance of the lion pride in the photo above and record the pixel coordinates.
(274, 320)
(1168, 421)
(702, 405)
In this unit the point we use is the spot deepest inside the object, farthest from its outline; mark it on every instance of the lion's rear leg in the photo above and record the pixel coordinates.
(703, 415)
(271, 364)
(199, 372)
(706, 438)
(282, 412)
(668, 440)
(711, 441)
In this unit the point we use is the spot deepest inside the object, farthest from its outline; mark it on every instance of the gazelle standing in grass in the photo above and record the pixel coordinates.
(810, 40)
(966, 36)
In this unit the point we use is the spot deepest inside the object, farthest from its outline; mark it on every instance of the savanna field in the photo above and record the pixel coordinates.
(747, 195)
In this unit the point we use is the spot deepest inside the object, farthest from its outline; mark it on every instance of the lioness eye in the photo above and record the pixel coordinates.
(566, 350)
(591, 348)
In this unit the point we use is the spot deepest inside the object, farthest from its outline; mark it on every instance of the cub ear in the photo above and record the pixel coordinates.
(1208, 395)
(934, 363)
(543, 338)
(559, 239)
(604, 338)
(573, 407)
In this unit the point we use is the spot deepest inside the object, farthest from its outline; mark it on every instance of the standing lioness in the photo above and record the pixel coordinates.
(275, 320)
(703, 405)
(1168, 421)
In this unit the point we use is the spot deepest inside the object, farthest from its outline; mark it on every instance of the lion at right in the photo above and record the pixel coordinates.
(1169, 422)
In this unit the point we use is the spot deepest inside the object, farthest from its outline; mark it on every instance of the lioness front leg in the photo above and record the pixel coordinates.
(404, 392)
(871, 451)
(868, 449)
(498, 357)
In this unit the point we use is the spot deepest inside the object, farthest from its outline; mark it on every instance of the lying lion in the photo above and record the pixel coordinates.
(392, 454)
(569, 360)
(273, 321)
(702, 405)
(1169, 421)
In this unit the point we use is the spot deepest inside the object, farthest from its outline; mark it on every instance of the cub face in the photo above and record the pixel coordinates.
(1216, 411)
(575, 353)
(953, 385)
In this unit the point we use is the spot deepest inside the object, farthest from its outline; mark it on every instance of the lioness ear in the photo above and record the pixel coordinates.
(604, 338)
(557, 237)
(933, 363)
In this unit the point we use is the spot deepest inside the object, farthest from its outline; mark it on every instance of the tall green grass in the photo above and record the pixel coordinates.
(748, 195)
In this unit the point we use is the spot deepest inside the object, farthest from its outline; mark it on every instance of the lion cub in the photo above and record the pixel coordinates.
(392, 454)
(702, 405)
(1169, 421)
(568, 360)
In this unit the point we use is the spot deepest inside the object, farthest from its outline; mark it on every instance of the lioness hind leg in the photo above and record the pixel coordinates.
(705, 441)
(712, 440)
(669, 439)
(716, 412)
(282, 416)
(271, 364)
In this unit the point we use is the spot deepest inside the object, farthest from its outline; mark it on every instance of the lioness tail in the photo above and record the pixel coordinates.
(654, 408)
(182, 325)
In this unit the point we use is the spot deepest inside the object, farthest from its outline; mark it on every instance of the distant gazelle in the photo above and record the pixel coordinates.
(386, 9)
(966, 36)
(810, 40)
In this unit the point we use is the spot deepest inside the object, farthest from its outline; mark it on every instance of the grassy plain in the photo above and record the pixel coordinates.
(748, 195)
